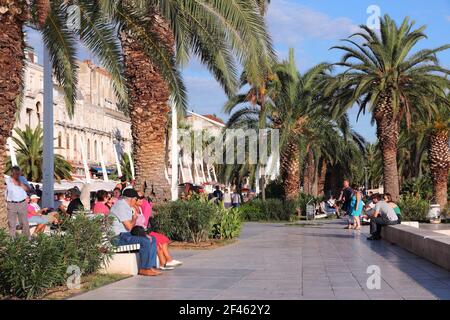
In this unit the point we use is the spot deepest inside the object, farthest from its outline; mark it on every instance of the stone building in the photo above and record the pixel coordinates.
(97, 120)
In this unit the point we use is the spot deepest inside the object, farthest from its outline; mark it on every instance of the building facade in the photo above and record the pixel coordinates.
(97, 124)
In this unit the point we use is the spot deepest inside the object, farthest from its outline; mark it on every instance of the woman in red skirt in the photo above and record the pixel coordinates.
(144, 210)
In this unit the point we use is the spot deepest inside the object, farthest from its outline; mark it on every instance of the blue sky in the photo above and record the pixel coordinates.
(311, 27)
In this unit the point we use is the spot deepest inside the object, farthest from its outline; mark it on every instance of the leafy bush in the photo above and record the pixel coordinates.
(419, 187)
(253, 211)
(228, 224)
(271, 209)
(413, 208)
(185, 220)
(29, 268)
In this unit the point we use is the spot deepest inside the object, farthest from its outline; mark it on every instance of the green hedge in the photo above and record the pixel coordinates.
(195, 221)
(29, 267)
(413, 208)
(269, 210)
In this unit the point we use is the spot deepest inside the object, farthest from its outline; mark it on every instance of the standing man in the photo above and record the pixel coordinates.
(383, 215)
(16, 194)
(124, 220)
(346, 197)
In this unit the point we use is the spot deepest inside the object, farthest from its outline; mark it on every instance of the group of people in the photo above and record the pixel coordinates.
(229, 199)
(379, 209)
(131, 212)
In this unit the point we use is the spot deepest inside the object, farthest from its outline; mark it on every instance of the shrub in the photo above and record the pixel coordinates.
(253, 211)
(29, 267)
(228, 224)
(302, 201)
(271, 209)
(185, 220)
(413, 208)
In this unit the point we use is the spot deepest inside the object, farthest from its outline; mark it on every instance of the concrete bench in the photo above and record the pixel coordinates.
(427, 244)
(125, 260)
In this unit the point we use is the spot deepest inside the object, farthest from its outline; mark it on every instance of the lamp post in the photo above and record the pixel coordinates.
(48, 150)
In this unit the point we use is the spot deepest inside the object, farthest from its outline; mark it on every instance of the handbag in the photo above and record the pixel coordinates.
(138, 231)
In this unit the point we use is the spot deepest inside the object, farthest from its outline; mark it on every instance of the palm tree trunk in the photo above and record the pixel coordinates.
(149, 96)
(321, 179)
(308, 176)
(12, 18)
(387, 132)
(439, 159)
(290, 170)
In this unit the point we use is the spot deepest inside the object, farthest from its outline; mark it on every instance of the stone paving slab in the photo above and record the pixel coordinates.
(275, 261)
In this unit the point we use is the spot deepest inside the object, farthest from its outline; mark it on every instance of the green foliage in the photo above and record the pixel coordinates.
(419, 187)
(228, 224)
(29, 154)
(413, 208)
(29, 268)
(269, 210)
(253, 211)
(185, 220)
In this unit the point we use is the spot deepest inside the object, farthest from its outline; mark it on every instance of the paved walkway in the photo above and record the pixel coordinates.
(275, 261)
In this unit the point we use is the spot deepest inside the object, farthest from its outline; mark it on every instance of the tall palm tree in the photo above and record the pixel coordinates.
(50, 19)
(384, 75)
(158, 36)
(439, 152)
(30, 148)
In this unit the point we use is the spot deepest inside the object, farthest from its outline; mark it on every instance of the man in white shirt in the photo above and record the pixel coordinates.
(16, 193)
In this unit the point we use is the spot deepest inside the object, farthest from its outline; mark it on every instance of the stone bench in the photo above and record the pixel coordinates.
(125, 260)
(427, 244)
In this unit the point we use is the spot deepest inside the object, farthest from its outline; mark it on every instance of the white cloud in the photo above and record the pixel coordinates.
(290, 23)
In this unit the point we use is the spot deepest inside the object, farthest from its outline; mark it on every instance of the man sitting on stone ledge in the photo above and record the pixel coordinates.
(383, 215)
(124, 220)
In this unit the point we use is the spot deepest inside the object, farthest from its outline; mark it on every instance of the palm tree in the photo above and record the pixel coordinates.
(384, 75)
(50, 19)
(30, 154)
(295, 108)
(158, 36)
(439, 152)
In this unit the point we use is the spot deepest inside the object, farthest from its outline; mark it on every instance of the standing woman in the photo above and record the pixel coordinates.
(16, 194)
(356, 207)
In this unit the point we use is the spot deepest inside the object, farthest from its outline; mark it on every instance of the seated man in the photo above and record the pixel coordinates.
(383, 215)
(75, 203)
(124, 220)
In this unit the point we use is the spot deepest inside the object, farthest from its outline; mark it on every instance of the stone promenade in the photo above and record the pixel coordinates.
(277, 261)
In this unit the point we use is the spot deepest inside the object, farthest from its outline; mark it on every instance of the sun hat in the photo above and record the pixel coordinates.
(34, 196)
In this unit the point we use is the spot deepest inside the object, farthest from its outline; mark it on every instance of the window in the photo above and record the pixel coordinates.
(75, 154)
(88, 149)
(95, 150)
(38, 111)
(59, 140)
(68, 142)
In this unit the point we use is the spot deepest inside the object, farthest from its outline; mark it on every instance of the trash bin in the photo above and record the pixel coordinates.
(434, 213)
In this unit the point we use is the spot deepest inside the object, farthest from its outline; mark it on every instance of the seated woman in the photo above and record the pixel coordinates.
(35, 214)
(100, 206)
(388, 198)
(144, 210)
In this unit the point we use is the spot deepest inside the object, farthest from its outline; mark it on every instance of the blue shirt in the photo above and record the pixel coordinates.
(121, 212)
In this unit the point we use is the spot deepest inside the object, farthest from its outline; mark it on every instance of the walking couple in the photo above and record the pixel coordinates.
(352, 204)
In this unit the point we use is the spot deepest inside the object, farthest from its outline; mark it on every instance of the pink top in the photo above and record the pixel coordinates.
(146, 208)
(32, 210)
(101, 208)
